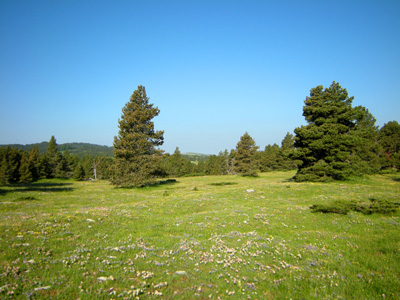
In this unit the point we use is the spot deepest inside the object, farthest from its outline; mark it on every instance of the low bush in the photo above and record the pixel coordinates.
(344, 207)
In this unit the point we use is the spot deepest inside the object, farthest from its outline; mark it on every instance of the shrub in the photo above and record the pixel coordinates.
(344, 207)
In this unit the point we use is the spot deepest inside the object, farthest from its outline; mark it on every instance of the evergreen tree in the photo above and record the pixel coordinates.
(10, 161)
(25, 169)
(246, 150)
(214, 165)
(286, 152)
(199, 167)
(389, 139)
(79, 173)
(135, 152)
(35, 160)
(174, 164)
(53, 159)
(326, 145)
(269, 158)
(365, 155)
(87, 162)
(68, 163)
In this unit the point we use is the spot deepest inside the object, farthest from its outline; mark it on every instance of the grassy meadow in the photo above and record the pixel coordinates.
(214, 237)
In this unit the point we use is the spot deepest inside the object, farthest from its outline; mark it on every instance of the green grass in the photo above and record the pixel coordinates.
(88, 240)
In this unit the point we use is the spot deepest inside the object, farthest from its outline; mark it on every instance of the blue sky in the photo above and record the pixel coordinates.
(215, 69)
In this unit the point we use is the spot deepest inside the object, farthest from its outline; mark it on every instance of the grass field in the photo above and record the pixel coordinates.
(214, 237)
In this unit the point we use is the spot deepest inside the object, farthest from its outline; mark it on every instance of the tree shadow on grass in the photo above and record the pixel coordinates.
(163, 182)
(50, 187)
(150, 185)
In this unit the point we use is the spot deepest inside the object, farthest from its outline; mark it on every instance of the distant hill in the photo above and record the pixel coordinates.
(195, 157)
(80, 149)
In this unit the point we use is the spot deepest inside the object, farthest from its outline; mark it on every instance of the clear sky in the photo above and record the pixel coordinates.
(215, 69)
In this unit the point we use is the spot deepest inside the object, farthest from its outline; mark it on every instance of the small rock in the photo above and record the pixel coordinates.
(90, 220)
(102, 278)
(250, 191)
(181, 273)
(160, 285)
(42, 288)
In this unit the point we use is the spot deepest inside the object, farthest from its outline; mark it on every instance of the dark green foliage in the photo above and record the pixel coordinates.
(365, 154)
(53, 159)
(10, 160)
(268, 160)
(215, 165)
(389, 139)
(381, 206)
(286, 153)
(245, 156)
(223, 183)
(36, 163)
(79, 173)
(278, 158)
(176, 164)
(135, 152)
(344, 207)
(27, 198)
(337, 207)
(102, 167)
(331, 146)
(25, 169)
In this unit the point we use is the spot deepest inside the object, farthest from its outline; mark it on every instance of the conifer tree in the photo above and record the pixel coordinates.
(175, 164)
(53, 158)
(365, 156)
(35, 160)
(326, 146)
(135, 152)
(389, 139)
(246, 150)
(25, 169)
(10, 160)
(79, 173)
(269, 158)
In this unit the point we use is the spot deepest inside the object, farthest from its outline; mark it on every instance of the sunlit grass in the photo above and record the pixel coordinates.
(202, 237)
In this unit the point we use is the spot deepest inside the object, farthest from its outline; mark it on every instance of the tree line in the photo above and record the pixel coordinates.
(24, 166)
(19, 166)
(338, 141)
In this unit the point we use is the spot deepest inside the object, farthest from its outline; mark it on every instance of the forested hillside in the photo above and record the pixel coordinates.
(79, 149)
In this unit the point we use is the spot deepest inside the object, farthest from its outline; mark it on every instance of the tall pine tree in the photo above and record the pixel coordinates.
(135, 152)
(326, 146)
(53, 158)
(245, 163)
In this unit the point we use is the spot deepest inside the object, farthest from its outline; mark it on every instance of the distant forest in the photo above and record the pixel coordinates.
(82, 149)
(79, 149)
